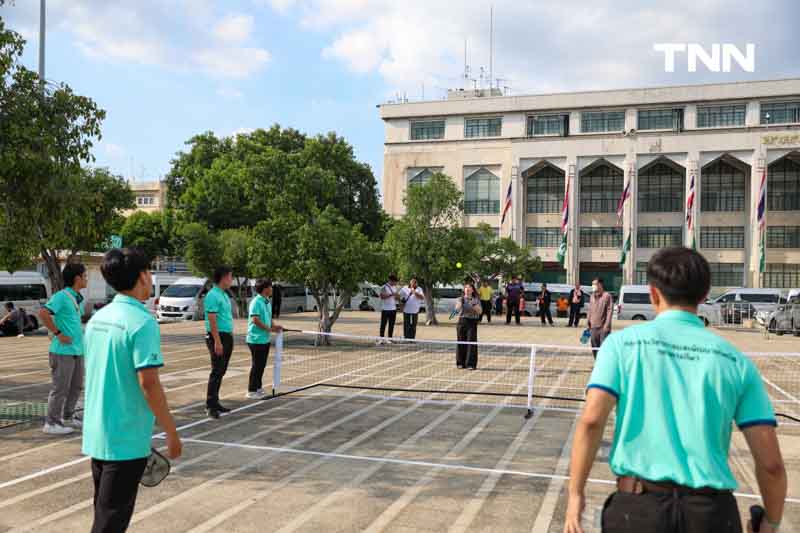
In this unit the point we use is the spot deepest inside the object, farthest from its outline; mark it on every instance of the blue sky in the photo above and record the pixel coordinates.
(167, 69)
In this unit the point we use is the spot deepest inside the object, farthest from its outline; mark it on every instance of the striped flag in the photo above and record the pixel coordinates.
(626, 193)
(625, 250)
(562, 249)
(762, 221)
(690, 210)
(508, 204)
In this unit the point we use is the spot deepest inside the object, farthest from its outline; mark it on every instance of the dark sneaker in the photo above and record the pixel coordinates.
(223, 409)
(212, 413)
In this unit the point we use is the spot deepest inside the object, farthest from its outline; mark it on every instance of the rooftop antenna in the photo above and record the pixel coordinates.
(491, 46)
(466, 64)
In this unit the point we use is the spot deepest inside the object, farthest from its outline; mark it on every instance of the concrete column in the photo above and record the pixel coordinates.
(629, 218)
(753, 234)
(571, 263)
(517, 206)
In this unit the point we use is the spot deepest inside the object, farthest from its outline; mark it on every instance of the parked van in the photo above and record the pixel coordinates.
(294, 298)
(557, 290)
(26, 290)
(445, 297)
(634, 303)
(182, 300)
(160, 284)
(367, 298)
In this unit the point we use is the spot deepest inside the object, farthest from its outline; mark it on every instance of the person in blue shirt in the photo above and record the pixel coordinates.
(62, 315)
(219, 336)
(678, 388)
(259, 327)
(124, 395)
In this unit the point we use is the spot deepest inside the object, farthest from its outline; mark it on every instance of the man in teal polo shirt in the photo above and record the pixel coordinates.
(62, 316)
(677, 388)
(124, 395)
(219, 336)
(259, 327)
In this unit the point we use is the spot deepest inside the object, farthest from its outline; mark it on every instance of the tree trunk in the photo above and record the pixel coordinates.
(50, 259)
(430, 309)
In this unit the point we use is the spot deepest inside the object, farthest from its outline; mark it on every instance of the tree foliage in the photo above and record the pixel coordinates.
(501, 257)
(202, 249)
(235, 247)
(147, 231)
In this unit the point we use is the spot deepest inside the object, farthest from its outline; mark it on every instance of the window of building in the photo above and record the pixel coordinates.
(659, 237)
(780, 112)
(720, 116)
(783, 237)
(145, 200)
(602, 121)
(545, 192)
(727, 274)
(720, 237)
(781, 276)
(423, 130)
(722, 188)
(601, 189)
(483, 127)
(660, 119)
(544, 237)
(640, 276)
(661, 189)
(421, 178)
(783, 185)
(557, 125)
(482, 193)
(601, 237)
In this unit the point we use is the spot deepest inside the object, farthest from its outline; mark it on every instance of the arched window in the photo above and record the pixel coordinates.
(482, 193)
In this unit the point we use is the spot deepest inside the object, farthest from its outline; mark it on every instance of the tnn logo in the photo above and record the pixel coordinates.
(719, 60)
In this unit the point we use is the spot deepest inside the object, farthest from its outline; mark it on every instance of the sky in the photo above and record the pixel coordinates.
(165, 70)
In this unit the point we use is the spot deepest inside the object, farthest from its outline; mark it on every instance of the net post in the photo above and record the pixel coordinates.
(531, 371)
(277, 363)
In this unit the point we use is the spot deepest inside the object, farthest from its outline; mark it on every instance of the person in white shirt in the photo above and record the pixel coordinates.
(389, 296)
(412, 298)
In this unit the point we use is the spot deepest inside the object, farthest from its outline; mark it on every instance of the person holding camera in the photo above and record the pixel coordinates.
(389, 298)
(411, 298)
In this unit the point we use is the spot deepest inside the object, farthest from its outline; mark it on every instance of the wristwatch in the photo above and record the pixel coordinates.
(56, 333)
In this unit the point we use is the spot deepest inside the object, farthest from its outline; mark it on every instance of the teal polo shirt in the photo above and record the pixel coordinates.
(67, 307)
(678, 387)
(121, 339)
(217, 302)
(262, 309)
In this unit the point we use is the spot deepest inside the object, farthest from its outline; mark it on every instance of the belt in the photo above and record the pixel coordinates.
(634, 485)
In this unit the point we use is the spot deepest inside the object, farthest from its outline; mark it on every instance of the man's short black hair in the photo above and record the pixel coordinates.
(121, 267)
(392, 277)
(262, 285)
(600, 281)
(681, 274)
(544, 285)
(220, 272)
(72, 271)
(9, 305)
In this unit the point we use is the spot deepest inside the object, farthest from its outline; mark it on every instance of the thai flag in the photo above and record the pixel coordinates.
(626, 193)
(762, 201)
(565, 210)
(508, 204)
(690, 205)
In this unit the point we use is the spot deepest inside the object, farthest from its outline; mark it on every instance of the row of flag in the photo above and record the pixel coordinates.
(690, 218)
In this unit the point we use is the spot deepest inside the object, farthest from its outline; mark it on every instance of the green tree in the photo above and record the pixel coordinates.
(428, 242)
(502, 257)
(321, 250)
(147, 231)
(202, 249)
(46, 135)
(236, 245)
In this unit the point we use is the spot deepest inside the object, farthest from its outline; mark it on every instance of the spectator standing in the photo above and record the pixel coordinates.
(485, 294)
(13, 323)
(469, 314)
(575, 305)
(412, 298)
(62, 317)
(545, 301)
(677, 388)
(219, 336)
(514, 293)
(601, 309)
(277, 296)
(259, 328)
(389, 297)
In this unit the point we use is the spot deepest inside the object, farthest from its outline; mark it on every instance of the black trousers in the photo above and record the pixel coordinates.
(10, 329)
(219, 366)
(467, 331)
(671, 513)
(486, 309)
(116, 484)
(512, 307)
(410, 321)
(259, 353)
(545, 313)
(574, 314)
(388, 318)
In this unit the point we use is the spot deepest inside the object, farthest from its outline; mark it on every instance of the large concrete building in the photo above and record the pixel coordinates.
(723, 137)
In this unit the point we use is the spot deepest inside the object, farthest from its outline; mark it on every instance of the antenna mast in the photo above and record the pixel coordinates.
(491, 46)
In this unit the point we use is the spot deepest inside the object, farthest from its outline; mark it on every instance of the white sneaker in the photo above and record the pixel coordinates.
(73, 423)
(378, 342)
(56, 429)
(255, 395)
(21, 335)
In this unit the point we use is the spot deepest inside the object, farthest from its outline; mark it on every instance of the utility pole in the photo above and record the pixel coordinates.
(42, 20)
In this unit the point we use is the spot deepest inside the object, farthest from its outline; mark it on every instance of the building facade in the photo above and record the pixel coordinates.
(150, 196)
(664, 144)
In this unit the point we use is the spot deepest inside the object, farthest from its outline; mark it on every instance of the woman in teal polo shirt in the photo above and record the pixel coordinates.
(259, 327)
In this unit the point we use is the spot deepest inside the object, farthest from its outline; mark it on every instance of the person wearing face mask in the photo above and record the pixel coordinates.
(601, 308)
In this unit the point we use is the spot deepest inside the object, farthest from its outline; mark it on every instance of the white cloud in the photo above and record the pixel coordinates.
(113, 151)
(234, 28)
(281, 6)
(236, 63)
(229, 93)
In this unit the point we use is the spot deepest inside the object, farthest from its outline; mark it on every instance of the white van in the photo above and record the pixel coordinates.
(160, 284)
(367, 298)
(634, 303)
(26, 290)
(445, 297)
(182, 300)
(295, 298)
(557, 290)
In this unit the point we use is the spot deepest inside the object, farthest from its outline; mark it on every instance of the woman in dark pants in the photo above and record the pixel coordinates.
(469, 313)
